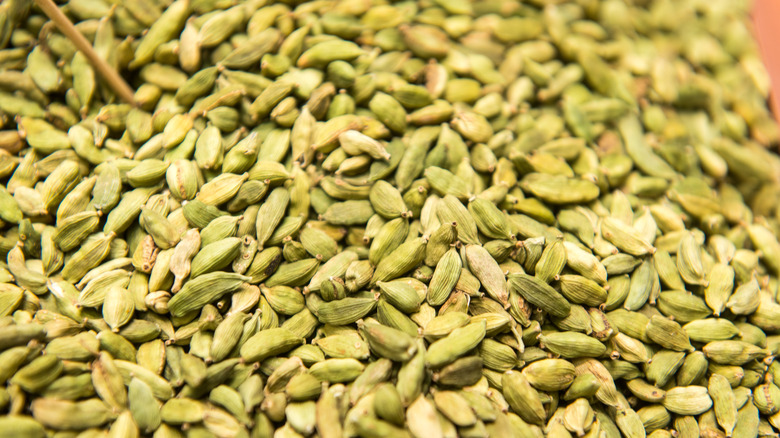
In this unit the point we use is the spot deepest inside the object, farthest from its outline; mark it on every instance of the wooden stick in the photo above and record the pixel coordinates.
(111, 76)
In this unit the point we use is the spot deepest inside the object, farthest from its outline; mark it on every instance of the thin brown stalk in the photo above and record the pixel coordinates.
(111, 76)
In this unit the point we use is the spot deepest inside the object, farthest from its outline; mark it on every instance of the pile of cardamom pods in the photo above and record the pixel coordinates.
(368, 218)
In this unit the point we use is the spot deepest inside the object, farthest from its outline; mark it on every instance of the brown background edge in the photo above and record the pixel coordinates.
(766, 26)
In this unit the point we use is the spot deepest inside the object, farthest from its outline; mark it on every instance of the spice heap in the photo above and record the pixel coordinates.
(429, 218)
